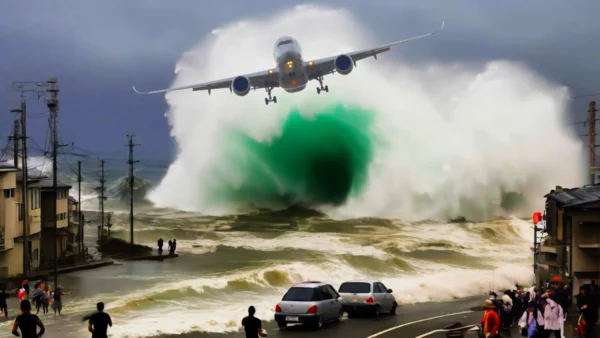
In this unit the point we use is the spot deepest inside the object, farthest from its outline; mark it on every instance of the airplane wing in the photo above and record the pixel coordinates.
(257, 80)
(326, 65)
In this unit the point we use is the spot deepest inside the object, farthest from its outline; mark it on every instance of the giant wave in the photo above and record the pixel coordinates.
(392, 139)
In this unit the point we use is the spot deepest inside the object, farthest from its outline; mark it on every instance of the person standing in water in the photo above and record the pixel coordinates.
(26, 288)
(170, 246)
(57, 304)
(160, 245)
(27, 322)
(174, 247)
(99, 322)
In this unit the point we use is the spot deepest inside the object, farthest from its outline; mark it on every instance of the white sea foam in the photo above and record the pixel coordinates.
(458, 132)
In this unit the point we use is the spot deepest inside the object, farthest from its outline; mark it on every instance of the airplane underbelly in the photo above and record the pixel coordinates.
(292, 85)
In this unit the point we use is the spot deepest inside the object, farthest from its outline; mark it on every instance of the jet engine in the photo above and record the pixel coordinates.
(240, 85)
(343, 64)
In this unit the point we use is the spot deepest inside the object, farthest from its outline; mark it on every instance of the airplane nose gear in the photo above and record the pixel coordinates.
(321, 88)
(269, 99)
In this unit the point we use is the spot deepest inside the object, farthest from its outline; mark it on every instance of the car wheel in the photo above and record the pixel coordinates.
(393, 310)
(340, 316)
(319, 323)
(282, 325)
(376, 311)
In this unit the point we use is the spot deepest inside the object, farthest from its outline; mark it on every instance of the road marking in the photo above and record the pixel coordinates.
(417, 321)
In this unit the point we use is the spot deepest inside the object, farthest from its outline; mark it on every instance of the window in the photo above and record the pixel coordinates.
(61, 216)
(299, 295)
(285, 42)
(355, 288)
(34, 198)
(380, 288)
(9, 193)
(62, 194)
(36, 253)
(20, 211)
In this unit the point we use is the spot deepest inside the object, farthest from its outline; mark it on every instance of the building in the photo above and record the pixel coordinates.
(48, 214)
(11, 253)
(73, 221)
(34, 215)
(572, 247)
(11, 221)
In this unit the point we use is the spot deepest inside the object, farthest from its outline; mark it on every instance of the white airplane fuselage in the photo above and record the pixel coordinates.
(292, 68)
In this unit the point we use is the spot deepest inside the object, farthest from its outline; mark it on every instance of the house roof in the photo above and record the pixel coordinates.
(72, 199)
(5, 167)
(576, 196)
(30, 177)
(47, 184)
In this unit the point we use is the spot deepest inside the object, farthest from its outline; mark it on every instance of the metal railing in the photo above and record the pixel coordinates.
(464, 331)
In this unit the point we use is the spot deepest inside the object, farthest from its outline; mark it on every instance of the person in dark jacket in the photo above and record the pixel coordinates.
(160, 246)
(588, 307)
(3, 296)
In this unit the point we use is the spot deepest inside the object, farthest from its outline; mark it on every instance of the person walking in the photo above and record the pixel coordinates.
(553, 316)
(3, 296)
(174, 247)
(27, 322)
(99, 322)
(490, 321)
(531, 321)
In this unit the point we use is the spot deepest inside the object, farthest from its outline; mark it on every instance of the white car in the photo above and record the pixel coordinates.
(367, 296)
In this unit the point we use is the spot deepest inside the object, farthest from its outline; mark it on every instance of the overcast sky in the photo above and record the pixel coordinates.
(98, 49)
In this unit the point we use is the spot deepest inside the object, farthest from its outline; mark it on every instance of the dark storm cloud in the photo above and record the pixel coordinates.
(99, 49)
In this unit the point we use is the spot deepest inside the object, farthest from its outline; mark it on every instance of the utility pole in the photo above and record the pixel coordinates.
(24, 212)
(131, 184)
(102, 180)
(53, 107)
(79, 221)
(592, 142)
(15, 139)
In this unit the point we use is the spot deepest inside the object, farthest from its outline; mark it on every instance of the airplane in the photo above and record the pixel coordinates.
(291, 72)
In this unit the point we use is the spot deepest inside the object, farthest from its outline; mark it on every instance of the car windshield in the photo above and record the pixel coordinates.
(299, 295)
(284, 42)
(355, 288)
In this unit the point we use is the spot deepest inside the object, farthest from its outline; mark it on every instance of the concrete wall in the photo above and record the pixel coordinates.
(585, 260)
(35, 253)
(8, 208)
(61, 209)
(13, 260)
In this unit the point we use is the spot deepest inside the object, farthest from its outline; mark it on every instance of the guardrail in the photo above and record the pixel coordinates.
(460, 332)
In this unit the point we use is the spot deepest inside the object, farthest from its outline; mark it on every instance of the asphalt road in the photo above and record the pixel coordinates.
(410, 321)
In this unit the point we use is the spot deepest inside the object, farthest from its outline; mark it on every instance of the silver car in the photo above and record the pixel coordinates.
(310, 303)
(367, 296)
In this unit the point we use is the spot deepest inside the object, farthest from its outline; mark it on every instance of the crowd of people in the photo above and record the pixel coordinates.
(43, 297)
(541, 314)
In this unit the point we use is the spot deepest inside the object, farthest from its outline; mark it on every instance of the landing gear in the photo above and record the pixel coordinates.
(320, 88)
(269, 99)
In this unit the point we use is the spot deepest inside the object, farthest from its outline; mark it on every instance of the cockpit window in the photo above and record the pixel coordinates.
(284, 42)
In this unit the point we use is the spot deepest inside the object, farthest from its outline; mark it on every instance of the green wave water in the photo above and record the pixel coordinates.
(320, 159)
